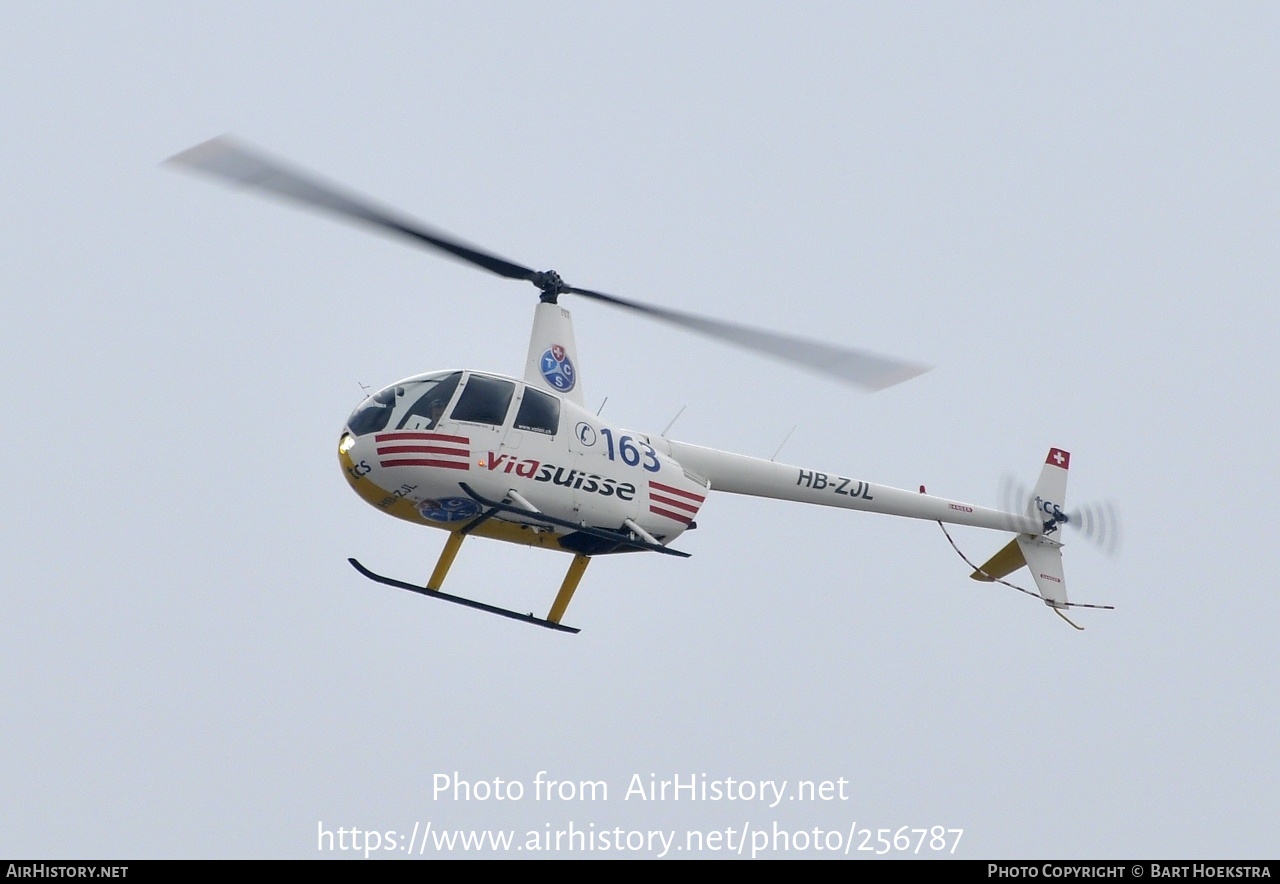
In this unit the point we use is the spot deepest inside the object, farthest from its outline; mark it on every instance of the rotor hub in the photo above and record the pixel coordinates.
(551, 284)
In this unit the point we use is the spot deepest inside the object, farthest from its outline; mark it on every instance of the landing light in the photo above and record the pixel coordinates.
(345, 443)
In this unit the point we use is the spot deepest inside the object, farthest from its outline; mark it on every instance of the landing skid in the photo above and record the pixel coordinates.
(470, 603)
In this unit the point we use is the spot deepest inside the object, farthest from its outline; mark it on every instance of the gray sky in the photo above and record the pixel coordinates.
(1071, 211)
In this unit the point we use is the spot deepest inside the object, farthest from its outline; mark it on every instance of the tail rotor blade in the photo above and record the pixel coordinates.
(1015, 496)
(1099, 523)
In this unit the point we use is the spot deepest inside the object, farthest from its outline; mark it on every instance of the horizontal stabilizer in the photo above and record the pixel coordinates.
(1002, 564)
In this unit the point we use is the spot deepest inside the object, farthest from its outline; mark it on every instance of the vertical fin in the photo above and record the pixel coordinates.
(1044, 553)
(1044, 558)
(1049, 500)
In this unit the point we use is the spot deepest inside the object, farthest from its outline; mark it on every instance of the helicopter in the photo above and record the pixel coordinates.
(523, 460)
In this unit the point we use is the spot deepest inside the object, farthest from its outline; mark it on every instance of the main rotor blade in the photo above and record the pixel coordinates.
(867, 370)
(223, 158)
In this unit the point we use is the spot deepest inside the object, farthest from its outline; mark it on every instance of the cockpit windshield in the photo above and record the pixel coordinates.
(415, 404)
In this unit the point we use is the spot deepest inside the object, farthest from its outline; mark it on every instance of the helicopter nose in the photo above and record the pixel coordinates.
(352, 456)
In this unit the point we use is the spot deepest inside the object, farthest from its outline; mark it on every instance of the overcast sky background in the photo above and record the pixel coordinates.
(1071, 211)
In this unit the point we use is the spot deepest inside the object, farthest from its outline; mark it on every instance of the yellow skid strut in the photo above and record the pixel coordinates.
(447, 555)
(577, 568)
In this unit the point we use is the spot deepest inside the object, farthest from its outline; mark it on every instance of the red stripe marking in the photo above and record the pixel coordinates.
(668, 489)
(667, 501)
(436, 437)
(675, 517)
(416, 462)
(424, 449)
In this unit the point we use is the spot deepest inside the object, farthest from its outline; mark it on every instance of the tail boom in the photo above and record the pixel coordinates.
(741, 474)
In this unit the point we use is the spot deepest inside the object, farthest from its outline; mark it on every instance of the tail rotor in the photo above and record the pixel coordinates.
(1098, 522)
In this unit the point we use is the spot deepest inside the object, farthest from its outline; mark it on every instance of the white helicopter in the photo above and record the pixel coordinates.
(524, 461)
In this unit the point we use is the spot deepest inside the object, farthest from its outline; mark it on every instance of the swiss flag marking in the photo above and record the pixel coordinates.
(558, 352)
(1059, 458)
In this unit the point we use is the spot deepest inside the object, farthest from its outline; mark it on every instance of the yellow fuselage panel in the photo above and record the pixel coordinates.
(403, 508)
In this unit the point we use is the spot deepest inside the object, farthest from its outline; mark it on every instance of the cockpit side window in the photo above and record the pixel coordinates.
(484, 400)
(426, 411)
(539, 412)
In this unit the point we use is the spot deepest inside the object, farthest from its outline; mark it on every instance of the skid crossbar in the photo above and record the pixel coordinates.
(617, 537)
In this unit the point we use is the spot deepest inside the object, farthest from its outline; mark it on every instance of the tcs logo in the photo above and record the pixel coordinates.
(1052, 511)
(557, 369)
